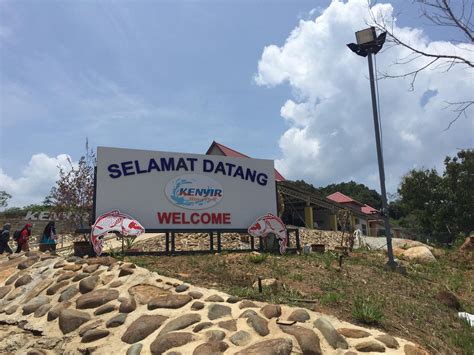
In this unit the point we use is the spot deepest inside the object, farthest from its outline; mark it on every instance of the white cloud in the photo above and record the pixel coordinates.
(36, 180)
(330, 137)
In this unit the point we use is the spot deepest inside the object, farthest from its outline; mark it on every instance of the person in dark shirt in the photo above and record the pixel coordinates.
(4, 238)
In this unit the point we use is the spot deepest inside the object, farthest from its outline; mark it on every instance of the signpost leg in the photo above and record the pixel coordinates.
(211, 242)
(219, 244)
(167, 242)
(260, 244)
(298, 243)
(252, 243)
(172, 242)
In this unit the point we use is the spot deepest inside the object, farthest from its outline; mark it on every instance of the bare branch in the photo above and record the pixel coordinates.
(460, 108)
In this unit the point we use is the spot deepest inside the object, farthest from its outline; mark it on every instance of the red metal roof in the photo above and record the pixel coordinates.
(229, 152)
(341, 198)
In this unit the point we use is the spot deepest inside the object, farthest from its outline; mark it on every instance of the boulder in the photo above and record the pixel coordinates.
(247, 304)
(241, 338)
(278, 346)
(195, 294)
(331, 335)
(420, 254)
(96, 298)
(181, 322)
(91, 268)
(228, 324)
(213, 347)
(56, 310)
(410, 349)
(218, 311)
(135, 349)
(94, 334)
(214, 298)
(28, 262)
(202, 326)
(181, 288)
(468, 244)
(42, 310)
(66, 275)
(116, 321)
(68, 293)
(196, 306)
(90, 326)
(128, 306)
(88, 284)
(307, 339)
(25, 279)
(233, 299)
(106, 308)
(4, 290)
(370, 346)
(168, 341)
(353, 333)
(71, 319)
(272, 284)
(299, 315)
(142, 327)
(56, 287)
(388, 340)
(214, 335)
(72, 267)
(259, 324)
(271, 311)
(34, 304)
(169, 301)
(80, 276)
(143, 293)
(449, 299)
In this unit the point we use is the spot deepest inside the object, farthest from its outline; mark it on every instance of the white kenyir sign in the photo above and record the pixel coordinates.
(170, 191)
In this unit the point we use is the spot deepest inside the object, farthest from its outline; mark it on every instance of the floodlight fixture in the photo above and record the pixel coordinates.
(366, 36)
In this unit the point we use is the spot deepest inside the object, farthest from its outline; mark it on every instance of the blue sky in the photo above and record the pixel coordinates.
(176, 75)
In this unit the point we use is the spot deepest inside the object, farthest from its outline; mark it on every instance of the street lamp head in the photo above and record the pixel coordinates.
(366, 36)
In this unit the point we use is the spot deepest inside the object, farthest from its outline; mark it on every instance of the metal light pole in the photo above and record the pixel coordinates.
(369, 44)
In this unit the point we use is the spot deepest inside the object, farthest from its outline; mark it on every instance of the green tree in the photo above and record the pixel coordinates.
(358, 192)
(4, 197)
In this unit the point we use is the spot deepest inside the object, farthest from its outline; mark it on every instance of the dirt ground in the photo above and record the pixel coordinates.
(409, 303)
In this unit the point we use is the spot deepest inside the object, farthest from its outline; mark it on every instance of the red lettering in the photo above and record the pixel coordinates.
(216, 218)
(164, 217)
(184, 218)
(176, 218)
(208, 218)
(226, 218)
(194, 218)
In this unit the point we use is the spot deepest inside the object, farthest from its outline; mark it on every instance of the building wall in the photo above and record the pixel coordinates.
(215, 151)
(322, 218)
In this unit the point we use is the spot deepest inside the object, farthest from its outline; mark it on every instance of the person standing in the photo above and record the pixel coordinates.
(4, 238)
(24, 238)
(49, 236)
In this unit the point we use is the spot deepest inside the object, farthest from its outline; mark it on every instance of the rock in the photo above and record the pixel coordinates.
(144, 293)
(96, 298)
(102, 260)
(15, 293)
(66, 275)
(34, 304)
(420, 254)
(272, 284)
(71, 319)
(218, 311)
(241, 338)
(25, 279)
(90, 326)
(80, 276)
(299, 315)
(73, 259)
(37, 289)
(135, 349)
(331, 335)
(116, 283)
(202, 326)
(214, 298)
(12, 309)
(91, 268)
(106, 308)
(353, 333)
(388, 340)
(197, 306)
(42, 310)
(247, 313)
(169, 301)
(211, 348)
(170, 340)
(88, 284)
(14, 277)
(247, 304)
(56, 287)
(36, 352)
(271, 311)
(72, 267)
(54, 312)
(214, 335)
(181, 322)
(142, 327)
(128, 306)
(116, 321)
(259, 324)
(370, 346)
(181, 288)
(59, 264)
(306, 338)
(449, 299)
(4, 290)
(233, 299)
(94, 334)
(414, 350)
(468, 244)
(228, 324)
(68, 293)
(125, 271)
(28, 262)
(195, 294)
(278, 346)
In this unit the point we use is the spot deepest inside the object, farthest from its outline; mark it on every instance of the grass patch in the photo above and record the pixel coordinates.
(331, 298)
(366, 310)
(257, 258)
(463, 338)
(296, 277)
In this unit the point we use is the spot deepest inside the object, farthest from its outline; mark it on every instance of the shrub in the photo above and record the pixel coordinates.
(366, 310)
(257, 258)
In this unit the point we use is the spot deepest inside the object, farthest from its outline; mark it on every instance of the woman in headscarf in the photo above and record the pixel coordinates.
(24, 238)
(49, 236)
(4, 238)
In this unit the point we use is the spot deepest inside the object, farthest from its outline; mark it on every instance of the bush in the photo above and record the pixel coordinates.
(366, 310)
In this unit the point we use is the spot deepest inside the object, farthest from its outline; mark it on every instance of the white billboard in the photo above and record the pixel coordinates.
(173, 191)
